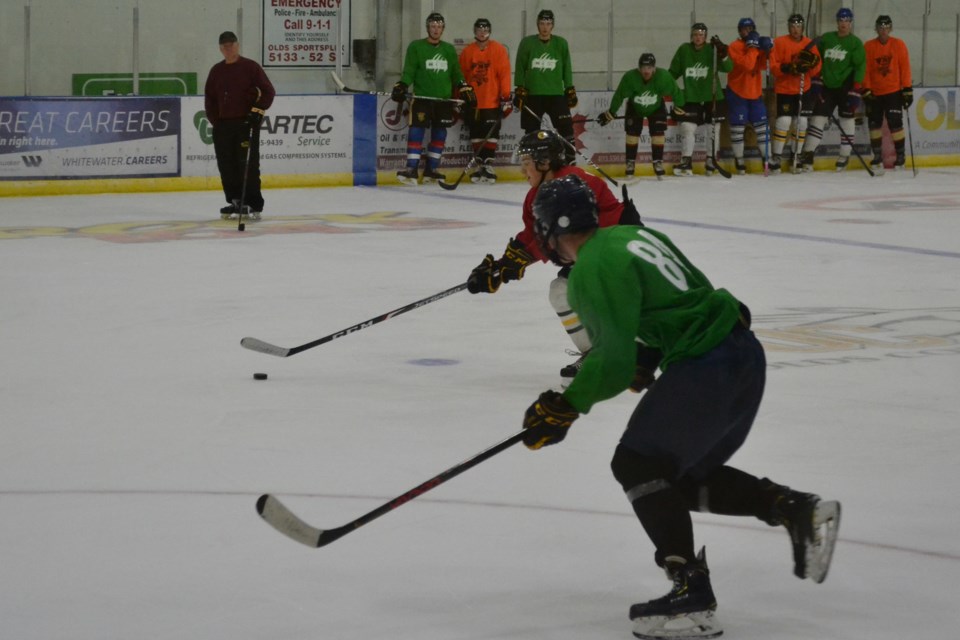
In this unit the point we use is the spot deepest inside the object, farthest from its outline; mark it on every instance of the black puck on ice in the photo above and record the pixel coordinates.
(243, 227)
(259, 376)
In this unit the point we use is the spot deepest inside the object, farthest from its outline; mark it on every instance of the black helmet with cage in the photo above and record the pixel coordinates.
(435, 17)
(482, 23)
(543, 147)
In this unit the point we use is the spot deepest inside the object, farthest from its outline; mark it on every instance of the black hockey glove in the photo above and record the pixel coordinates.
(548, 420)
(605, 118)
(519, 95)
(485, 277)
(678, 112)
(907, 94)
(719, 46)
(399, 93)
(807, 60)
(790, 67)
(514, 262)
(254, 118)
(468, 95)
(571, 94)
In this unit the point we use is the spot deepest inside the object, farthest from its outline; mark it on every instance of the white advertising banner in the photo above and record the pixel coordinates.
(298, 135)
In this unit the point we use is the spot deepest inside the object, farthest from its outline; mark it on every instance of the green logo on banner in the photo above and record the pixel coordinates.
(203, 127)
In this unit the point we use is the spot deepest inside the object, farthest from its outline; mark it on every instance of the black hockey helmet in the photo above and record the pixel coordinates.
(796, 18)
(435, 17)
(647, 60)
(697, 27)
(543, 147)
(545, 14)
(884, 21)
(747, 23)
(482, 23)
(562, 206)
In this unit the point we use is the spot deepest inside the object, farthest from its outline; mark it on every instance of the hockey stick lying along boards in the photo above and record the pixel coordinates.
(286, 522)
(345, 89)
(283, 352)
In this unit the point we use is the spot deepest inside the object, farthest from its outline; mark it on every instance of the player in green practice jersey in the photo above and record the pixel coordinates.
(644, 90)
(543, 79)
(432, 67)
(839, 87)
(638, 295)
(696, 64)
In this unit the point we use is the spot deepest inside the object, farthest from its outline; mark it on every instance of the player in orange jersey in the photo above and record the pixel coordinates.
(794, 60)
(745, 90)
(486, 66)
(888, 78)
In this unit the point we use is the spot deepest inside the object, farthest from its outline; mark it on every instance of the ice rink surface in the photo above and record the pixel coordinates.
(135, 442)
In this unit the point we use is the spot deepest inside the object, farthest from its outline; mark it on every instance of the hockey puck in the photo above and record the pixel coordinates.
(259, 376)
(242, 226)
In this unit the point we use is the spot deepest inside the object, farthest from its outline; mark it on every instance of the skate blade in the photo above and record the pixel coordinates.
(826, 523)
(687, 626)
(409, 181)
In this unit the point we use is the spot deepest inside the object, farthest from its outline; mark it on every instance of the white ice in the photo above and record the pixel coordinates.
(134, 441)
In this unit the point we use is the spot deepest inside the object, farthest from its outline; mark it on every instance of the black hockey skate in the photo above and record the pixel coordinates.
(877, 165)
(806, 160)
(228, 211)
(569, 372)
(842, 162)
(775, 164)
(900, 161)
(687, 611)
(408, 176)
(685, 168)
(740, 165)
(432, 175)
(813, 525)
(658, 169)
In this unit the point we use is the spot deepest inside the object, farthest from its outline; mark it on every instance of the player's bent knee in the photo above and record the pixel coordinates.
(639, 475)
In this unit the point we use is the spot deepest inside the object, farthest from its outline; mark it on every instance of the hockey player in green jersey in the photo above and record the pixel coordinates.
(432, 67)
(543, 78)
(838, 87)
(644, 89)
(632, 286)
(694, 63)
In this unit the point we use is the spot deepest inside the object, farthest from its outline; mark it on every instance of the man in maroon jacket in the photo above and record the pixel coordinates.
(237, 94)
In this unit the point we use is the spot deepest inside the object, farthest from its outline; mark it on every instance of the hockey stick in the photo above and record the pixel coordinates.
(796, 127)
(766, 158)
(286, 522)
(913, 158)
(243, 191)
(284, 352)
(472, 163)
(577, 151)
(714, 81)
(849, 140)
(345, 89)
(246, 169)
